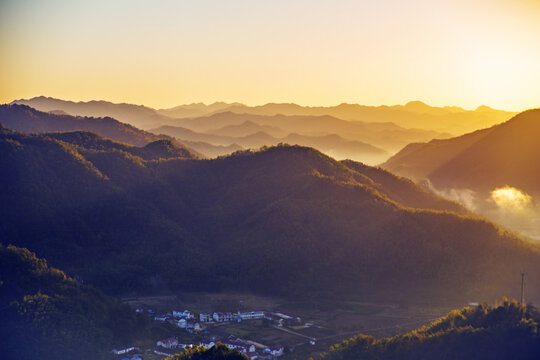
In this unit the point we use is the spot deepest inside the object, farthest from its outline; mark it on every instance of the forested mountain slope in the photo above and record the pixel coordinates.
(284, 220)
(48, 315)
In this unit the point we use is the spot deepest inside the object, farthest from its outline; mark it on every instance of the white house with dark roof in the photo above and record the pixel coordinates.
(240, 345)
(186, 314)
(170, 343)
(250, 315)
(205, 317)
(275, 350)
(223, 316)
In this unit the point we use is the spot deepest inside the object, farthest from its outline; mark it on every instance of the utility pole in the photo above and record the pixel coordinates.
(523, 287)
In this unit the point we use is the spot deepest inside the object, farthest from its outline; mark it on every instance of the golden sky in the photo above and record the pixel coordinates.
(164, 53)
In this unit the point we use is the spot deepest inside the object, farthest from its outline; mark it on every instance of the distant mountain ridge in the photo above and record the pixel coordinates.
(247, 128)
(505, 154)
(415, 114)
(137, 115)
(382, 135)
(387, 136)
(26, 119)
(330, 144)
(196, 109)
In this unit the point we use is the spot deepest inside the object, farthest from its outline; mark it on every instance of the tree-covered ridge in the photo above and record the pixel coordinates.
(48, 315)
(403, 190)
(505, 331)
(86, 142)
(216, 352)
(283, 220)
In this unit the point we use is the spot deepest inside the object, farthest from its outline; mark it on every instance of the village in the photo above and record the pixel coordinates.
(263, 327)
(207, 326)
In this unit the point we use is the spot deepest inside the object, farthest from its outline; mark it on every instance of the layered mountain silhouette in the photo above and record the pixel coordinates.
(224, 133)
(26, 119)
(334, 145)
(136, 115)
(414, 114)
(505, 154)
(284, 220)
(196, 109)
(247, 128)
(387, 136)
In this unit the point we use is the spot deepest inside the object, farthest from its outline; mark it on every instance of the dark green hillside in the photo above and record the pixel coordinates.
(91, 221)
(285, 220)
(49, 315)
(507, 331)
(334, 226)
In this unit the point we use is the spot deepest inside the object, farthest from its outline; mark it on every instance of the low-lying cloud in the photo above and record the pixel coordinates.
(508, 206)
(511, 199)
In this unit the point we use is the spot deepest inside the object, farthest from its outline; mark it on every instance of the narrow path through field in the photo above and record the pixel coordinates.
(294, 333)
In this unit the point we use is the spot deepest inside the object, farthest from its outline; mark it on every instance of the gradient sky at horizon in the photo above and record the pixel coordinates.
(164, 53)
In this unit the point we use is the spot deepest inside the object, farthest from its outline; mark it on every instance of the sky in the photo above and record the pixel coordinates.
(163, 53)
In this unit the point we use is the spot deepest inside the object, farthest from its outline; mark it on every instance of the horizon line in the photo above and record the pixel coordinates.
(263, 104)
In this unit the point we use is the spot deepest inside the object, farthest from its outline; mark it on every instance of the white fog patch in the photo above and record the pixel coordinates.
(508, 206)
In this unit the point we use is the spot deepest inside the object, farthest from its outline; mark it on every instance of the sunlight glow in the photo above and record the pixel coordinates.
(164, 53)
(510, 198)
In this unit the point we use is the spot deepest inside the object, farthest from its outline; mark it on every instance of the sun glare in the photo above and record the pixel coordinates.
(510, 198)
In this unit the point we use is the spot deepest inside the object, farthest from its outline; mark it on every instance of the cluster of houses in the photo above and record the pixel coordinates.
(229, 316)
(251, 349)
(190, 322)
(187, 320)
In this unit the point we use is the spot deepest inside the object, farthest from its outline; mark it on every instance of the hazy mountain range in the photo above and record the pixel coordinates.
(387, 136)
(330, 144)
(363, 133)
(415, 114)
(26, 119)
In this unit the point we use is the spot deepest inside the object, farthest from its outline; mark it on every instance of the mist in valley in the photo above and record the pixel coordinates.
(507, 206)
